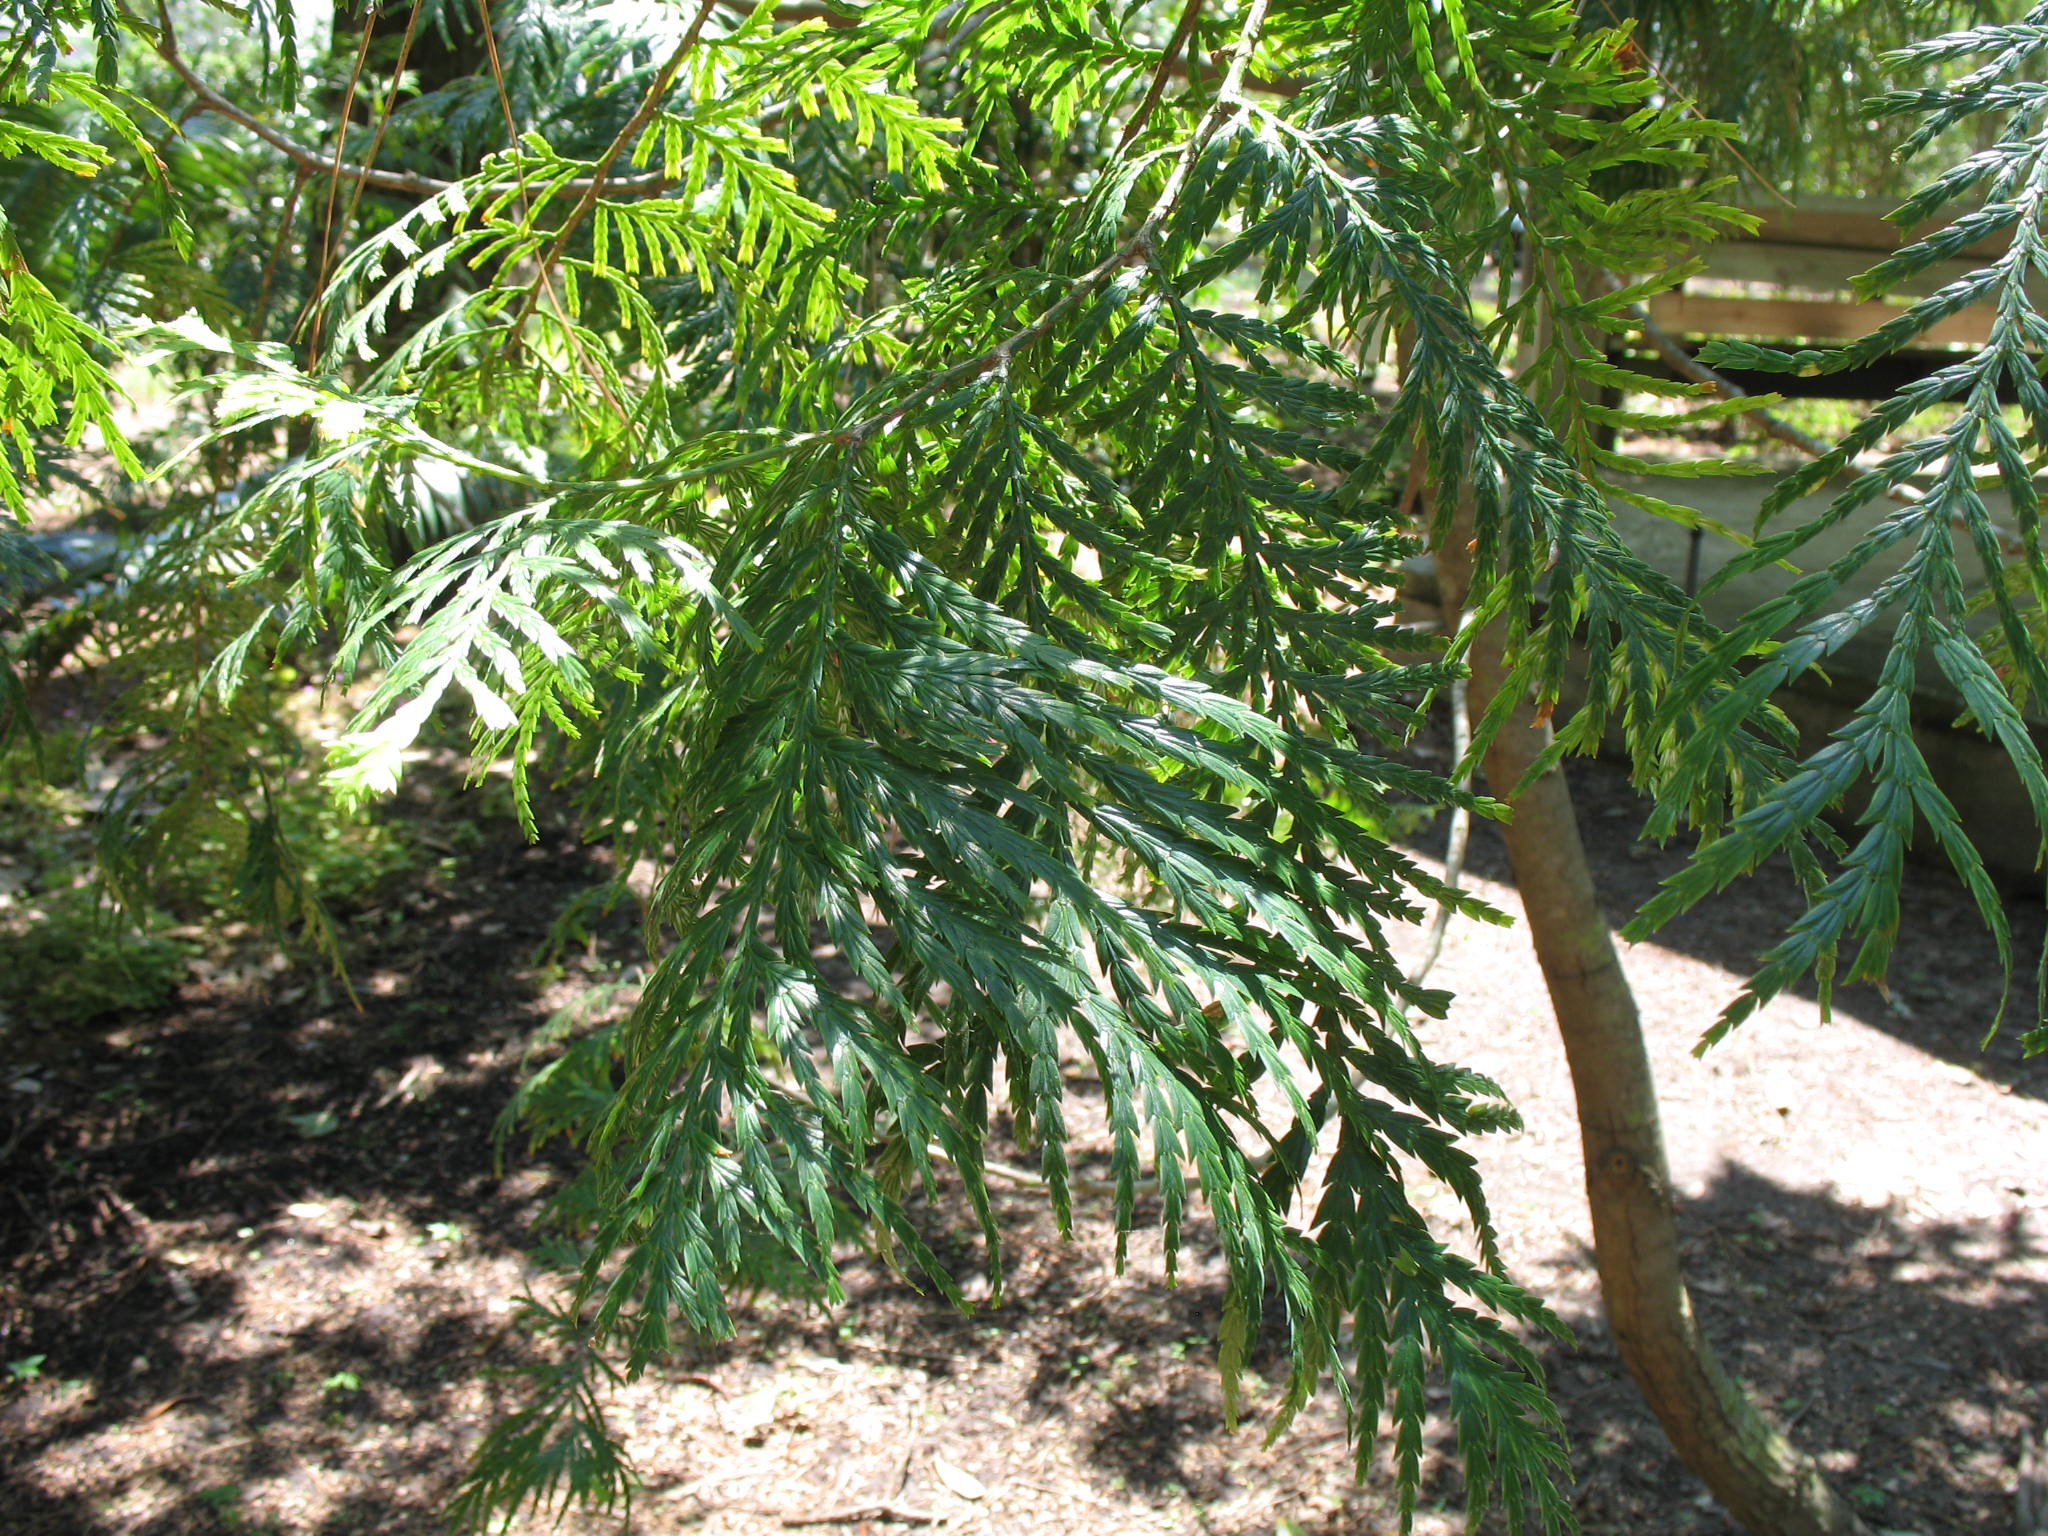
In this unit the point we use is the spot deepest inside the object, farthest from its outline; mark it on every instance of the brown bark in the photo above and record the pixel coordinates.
(1767, 1484)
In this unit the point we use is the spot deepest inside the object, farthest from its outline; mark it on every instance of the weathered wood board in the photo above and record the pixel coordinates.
(1793, 280)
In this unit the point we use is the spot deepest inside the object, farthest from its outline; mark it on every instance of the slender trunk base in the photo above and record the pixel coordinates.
(1769, 1486)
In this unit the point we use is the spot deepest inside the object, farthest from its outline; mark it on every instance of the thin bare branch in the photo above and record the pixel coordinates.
(1167, 61)
(650, 103)
(319, 163)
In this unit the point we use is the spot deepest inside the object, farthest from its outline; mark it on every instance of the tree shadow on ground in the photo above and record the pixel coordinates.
(261, 1238)
(1946, 985)
(1907, 1356)
(275, 1324)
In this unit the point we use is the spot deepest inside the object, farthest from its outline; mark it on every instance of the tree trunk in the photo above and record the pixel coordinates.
(1769, 1486)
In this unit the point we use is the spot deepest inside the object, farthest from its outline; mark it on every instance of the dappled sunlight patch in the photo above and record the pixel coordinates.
(1862, 1201)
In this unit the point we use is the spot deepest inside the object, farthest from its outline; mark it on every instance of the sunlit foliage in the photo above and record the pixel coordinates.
(913, 476)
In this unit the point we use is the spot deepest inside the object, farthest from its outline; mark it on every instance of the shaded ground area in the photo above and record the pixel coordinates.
(262, 1251)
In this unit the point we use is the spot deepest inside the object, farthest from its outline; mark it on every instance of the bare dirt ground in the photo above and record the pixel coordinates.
(261, 1246)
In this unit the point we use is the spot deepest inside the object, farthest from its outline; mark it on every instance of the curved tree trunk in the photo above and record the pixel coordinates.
(1768, 1485)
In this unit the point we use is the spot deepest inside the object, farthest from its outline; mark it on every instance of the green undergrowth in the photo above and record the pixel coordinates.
(74, 950)
(68, 958)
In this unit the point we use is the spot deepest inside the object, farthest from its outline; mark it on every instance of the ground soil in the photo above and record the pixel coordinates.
(262, 1246)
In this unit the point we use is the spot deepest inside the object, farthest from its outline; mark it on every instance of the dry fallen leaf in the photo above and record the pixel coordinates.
(159, 1409)
(957, 1479)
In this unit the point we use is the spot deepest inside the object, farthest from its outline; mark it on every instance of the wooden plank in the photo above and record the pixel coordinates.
(1817, 268)
(1689, 314)
(1881, 380)
(1848, 225)
(1823, 269)
(1809, 226)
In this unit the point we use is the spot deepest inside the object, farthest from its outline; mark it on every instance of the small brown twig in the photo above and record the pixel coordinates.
(311, 318)
(1157, 88)
(650, 103)
(1459, 840)
(319, 163)
(1079, 1493)
(903, 1514)
(328, 245)
(791, 15)
(1137, 248)
(114, 1200)
(30, 1119)
(933, 1356)
(277, 249)
(2030, 1494)
(544, 282)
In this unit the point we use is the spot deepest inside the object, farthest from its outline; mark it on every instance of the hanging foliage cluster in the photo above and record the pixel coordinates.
(917, 481)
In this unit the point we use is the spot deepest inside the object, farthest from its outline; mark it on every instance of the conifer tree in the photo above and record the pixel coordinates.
(926, 495)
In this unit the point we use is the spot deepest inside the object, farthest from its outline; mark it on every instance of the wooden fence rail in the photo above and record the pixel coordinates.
(1789, 282)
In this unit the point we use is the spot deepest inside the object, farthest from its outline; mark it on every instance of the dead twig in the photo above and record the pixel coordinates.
(317, 162)
(158, 1409)
(114, 1201)
(902, 1514)
(1300, 1445)
(910, 1445)
(1079, 1493)
(1803, 1410)
(905, 1354)
(30, 1119)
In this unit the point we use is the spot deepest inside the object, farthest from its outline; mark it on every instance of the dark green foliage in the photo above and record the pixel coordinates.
(552, 1449)
(1039, 675)
(1939, 537)
(1795, 74)
(917, 484)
